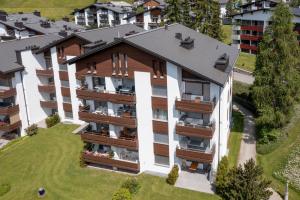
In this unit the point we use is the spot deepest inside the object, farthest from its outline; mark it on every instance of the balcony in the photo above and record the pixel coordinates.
(194, 103)
(153, 24)
(115, 22)
(253, 28)
(8, 127)
(104, 139)
(6, 92)
(121, 97)
(161, 149)
(44, 72)
(47, 88)
(160, 127)
(8, 108)
(160, 103)
(49, 104)
(105, 160)
(235, 37)
(248, 47)
(196, 155)
(251, 37)
(124, 120)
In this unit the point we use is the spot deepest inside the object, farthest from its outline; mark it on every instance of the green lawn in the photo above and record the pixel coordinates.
(51, 160)
(246, 61)
(235, 138)
(227, 31)
(276, 159)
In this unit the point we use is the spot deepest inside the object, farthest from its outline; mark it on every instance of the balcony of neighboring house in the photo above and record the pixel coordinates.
(252, 27)
(10, 122)
(115, 22)
(154, 23)
(124, 115)
(196, 150)
(248, 47)
(250, 37)
(7, 91)
(112, 157)
(49, 101)
(195, 125)
(125, 138)
(7, 106)
(139, 24)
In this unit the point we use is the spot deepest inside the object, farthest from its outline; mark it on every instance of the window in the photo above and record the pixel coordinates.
(65, 84)
(159, 114)
(159, 91)
(161, 160)
(69, 115)
(66, 99)
(161, 138)
(52, 97)
(48, 62)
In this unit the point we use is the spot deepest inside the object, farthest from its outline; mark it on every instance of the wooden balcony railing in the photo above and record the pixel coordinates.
(47, 88)
(121, 98)
(126, 121)
(160, 127)
(195, 105)
(160, 103)
(8, 93)
(250, 37)
(6, 127)
(44, 72)
(63, 75)
(91, 137)
(67, 107)
(195, 130)
(161, 149)
(253, 28)
(65, 92)
(49, 104)
(9, 110)
(194, 155)
(121, 164)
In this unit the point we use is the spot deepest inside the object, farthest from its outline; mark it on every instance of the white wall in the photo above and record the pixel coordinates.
(110, 17)
(3, 30)
(144, 120)
(31, 62)
(147, 19)
(173, 91)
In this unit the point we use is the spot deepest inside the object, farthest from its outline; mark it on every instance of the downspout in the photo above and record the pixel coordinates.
(219, 138)
(26, 109)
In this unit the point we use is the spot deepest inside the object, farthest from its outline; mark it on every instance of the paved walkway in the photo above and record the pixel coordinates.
(248, 143)
(242, 77)
(194, 181)
(3, 142)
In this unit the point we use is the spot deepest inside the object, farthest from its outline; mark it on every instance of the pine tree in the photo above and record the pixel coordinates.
(185, 14)
(222, 176)
(230, 10)
(173, 11)
(295, 3)
(245, 183)
(276, 82)
(215, 28)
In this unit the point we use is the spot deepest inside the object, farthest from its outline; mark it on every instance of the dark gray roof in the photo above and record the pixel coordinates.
(8, 56)
(107, 34)
(200, 59)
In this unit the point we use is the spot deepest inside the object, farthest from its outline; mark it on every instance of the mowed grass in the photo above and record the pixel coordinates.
(235, 138)
(276, 159)
(227, 32)
(51, 160)
(246, 61)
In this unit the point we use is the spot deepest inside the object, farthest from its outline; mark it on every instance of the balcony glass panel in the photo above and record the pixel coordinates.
(159, 114)
(161, 160)
(161, 138)
(196, 144)
(159, 91)
(196, 90)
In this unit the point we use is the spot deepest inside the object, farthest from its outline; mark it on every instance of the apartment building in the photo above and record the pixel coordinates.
(149, 99)
(24, 25)
(147, 19)
(103, 14)
(249, 25)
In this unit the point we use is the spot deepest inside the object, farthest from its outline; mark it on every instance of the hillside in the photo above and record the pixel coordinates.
(53, 9)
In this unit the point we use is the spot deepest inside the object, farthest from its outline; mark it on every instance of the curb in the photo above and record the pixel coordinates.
(242, 71)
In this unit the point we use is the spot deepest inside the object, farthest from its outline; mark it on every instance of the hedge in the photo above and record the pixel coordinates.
(52, 120)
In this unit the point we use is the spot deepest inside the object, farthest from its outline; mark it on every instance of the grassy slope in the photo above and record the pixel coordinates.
(227, 31)
(273, 161)
(235, 138)
(246, 61)
(51, 160)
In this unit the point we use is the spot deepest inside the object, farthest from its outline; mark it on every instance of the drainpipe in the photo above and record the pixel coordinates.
(219, 140)
(26, 109)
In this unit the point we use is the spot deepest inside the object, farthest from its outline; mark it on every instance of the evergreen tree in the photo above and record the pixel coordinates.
(173, 11)
(295, 3)
(222, 176)
(230, 10)
(276, 74)
(245, 183)
(186, 17)
(215, 28)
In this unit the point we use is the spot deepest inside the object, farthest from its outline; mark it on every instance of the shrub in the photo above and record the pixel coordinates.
(52, 120)
(222, 176)
(4, 188)
(132, 185)
(173, 175)
(122, 194)
(32, 130)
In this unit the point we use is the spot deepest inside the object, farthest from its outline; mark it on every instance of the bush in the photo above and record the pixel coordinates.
(132, 185)
(52, 120)
(4, 188)
(32, 130)
(222, 176)
(173, 175)
(122, 194)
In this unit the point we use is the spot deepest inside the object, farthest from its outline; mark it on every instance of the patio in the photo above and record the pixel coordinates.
(194, 181)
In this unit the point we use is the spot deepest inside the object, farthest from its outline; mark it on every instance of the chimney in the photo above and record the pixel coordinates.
(63, 33)
(3, 17)
(222, 62)
(187, 43)
(37, 13)
(178, 36)
(66, 19)
(19, 24)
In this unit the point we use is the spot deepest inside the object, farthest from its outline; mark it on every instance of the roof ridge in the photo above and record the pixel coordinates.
(148, 31)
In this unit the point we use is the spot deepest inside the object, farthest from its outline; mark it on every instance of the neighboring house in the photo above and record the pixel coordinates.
(223, 7)
(103, 14)
(154, 98)
(150, 3)
(24, 25)
(249, 25)
(149, 18)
